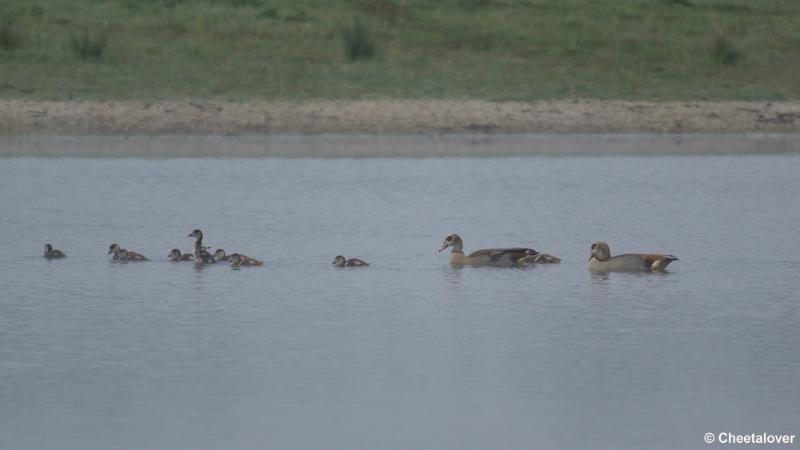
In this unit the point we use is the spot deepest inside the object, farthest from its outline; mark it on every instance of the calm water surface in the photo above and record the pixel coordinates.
(408, 353)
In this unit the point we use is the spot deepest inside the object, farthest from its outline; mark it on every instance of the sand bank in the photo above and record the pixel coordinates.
(23, 117)
(403, 128)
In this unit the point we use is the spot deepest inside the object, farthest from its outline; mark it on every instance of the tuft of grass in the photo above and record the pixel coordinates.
(724, 51)
(36, 11)
(297, 14)
(88, 45)
(10, 37)
(357, 40)
(268, 13)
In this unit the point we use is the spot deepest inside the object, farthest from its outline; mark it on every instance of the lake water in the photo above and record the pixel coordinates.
(409, 352)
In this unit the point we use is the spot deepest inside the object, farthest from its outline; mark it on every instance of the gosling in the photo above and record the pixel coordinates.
(532, 257)
(51, 253)
(219, 255)
(175, 255)
(238, 260)
(340, 261)
(121, 254)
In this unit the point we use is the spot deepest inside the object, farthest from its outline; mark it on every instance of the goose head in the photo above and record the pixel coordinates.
(47, 249)
(601, 251)
(196, 233)
(454, 241)
(235, 259)
(113, 248)
(174, 253)
(219, 254)
(338, 261)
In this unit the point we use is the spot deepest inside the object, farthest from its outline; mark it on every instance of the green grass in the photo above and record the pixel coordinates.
(87, 45)
(462, 49)
(357, 41)
(10, 36)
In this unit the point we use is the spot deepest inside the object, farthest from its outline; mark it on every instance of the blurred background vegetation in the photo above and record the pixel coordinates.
(470, 49)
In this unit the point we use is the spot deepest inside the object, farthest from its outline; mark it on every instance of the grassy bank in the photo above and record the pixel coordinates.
(481, 49)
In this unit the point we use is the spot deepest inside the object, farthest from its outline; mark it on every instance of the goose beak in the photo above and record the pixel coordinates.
(110, 252)
(190, 235)
(444, 246)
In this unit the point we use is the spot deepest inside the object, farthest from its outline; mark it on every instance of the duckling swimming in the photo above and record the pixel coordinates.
(532, 257)
(121, 254)
(114, 250)
(51, 253)
(175, 255)
(340, 261)
(200, 253)
(132, 256)
(238, 260)
(219, 255)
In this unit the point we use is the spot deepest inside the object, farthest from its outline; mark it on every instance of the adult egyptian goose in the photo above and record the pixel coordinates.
(121, 254)
(175, 255)
(496, 257)
(238, 260)
(51, 253)
(341, 261)
(600, 260)
(200, 254)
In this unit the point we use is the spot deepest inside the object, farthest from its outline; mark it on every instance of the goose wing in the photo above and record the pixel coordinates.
(657, 261)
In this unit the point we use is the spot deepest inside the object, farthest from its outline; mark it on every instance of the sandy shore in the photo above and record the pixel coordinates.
(394, 128)
(78, 118)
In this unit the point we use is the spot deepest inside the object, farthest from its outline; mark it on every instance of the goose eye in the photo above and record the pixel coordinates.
(449, 238)
(594, 246)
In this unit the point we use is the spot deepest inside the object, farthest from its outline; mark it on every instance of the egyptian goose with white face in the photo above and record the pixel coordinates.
(200, 254)
(496, 257)
(341, 261)
(51, 253)
(600, 260)
(175, 255)
(121, 254)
